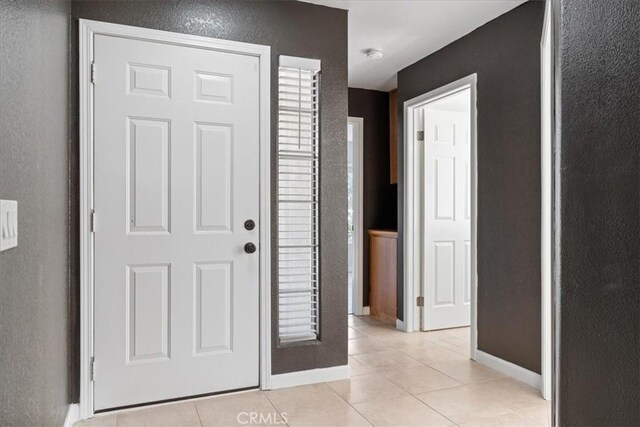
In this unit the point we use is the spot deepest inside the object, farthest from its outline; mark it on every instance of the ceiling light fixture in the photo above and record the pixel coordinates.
(373, 53)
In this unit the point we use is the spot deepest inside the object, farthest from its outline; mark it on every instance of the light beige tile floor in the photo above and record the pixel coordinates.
(397, 379)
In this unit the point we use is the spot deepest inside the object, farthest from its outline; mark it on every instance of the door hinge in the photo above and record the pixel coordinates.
(93, 369)
(420, 135)
(93, 72)
(93, 221)
(420, 301)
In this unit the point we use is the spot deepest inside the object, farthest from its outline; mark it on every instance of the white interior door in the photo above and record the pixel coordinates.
(447, 218)
(176, 177)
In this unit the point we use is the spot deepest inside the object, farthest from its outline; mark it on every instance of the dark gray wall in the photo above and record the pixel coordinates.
(290, 28)
(505, 53)
(380, 198)
(34, 292)
(599, 233)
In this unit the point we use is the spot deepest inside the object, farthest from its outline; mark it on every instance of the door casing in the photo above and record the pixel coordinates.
(547, 161)
(358, 144)
(87, 30)
(413, 247)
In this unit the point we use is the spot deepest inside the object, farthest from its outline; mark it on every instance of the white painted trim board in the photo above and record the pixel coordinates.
(547, 185)
(73, 415)
(510, 369)
(311, 376)
(358, 152)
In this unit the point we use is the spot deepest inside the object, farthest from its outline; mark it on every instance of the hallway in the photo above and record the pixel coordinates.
(397, 379)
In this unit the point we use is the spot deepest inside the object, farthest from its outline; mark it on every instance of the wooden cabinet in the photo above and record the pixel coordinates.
(383, 275)
(393, 135)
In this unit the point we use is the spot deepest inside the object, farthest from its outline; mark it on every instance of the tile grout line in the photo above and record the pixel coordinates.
(350, 405)
(433, 409)
(198, 414)
(273, 405)
(454, 379)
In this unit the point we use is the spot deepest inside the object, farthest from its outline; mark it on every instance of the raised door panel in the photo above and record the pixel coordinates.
(148, 314)
(213, 307)
(445, 187)
(214, 178)
(149, 80)
(148, 175)
(444, 273)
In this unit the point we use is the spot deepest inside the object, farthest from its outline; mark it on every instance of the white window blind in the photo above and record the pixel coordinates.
(298, 188)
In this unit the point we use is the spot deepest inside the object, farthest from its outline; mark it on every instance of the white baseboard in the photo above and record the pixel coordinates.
(73, 415)
(311, 376)
(401, 325)
(366, 311)
(514, 371)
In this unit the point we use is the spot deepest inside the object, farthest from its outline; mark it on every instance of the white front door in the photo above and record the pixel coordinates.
(447, 218)
(176, 177)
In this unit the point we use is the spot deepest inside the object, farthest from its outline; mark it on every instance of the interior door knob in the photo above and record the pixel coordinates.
(249, 248)
(249, 224)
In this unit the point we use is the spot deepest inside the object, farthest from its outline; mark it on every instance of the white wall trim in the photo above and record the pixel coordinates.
(87, 30)
(366, 311)
(311, 376)
(358, 151)
(514, 371)
(413, 242)
(547, 184)
(401, 325)
(301, 63)
(73, 415)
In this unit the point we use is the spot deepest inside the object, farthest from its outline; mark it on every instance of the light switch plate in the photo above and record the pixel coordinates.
(8, 224)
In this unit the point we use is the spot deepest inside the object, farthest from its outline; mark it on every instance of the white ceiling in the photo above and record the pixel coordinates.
(406, 31)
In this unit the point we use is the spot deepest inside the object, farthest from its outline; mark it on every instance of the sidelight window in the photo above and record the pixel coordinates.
(298, 199)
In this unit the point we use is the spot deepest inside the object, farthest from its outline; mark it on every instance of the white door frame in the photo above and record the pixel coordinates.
(547, 185)
(358, 144)
(88, 29)
(414, 205)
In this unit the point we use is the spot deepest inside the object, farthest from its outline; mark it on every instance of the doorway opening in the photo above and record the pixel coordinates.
(354, 213)
(441, 209)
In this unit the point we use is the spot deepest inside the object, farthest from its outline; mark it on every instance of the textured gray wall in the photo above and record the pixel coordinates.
(505, 53)
(599, 82)
(34, 310)
(290, 28)
(380, 197)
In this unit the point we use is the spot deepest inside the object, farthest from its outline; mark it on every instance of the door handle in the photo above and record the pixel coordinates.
(249, 224)
(250, 248)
